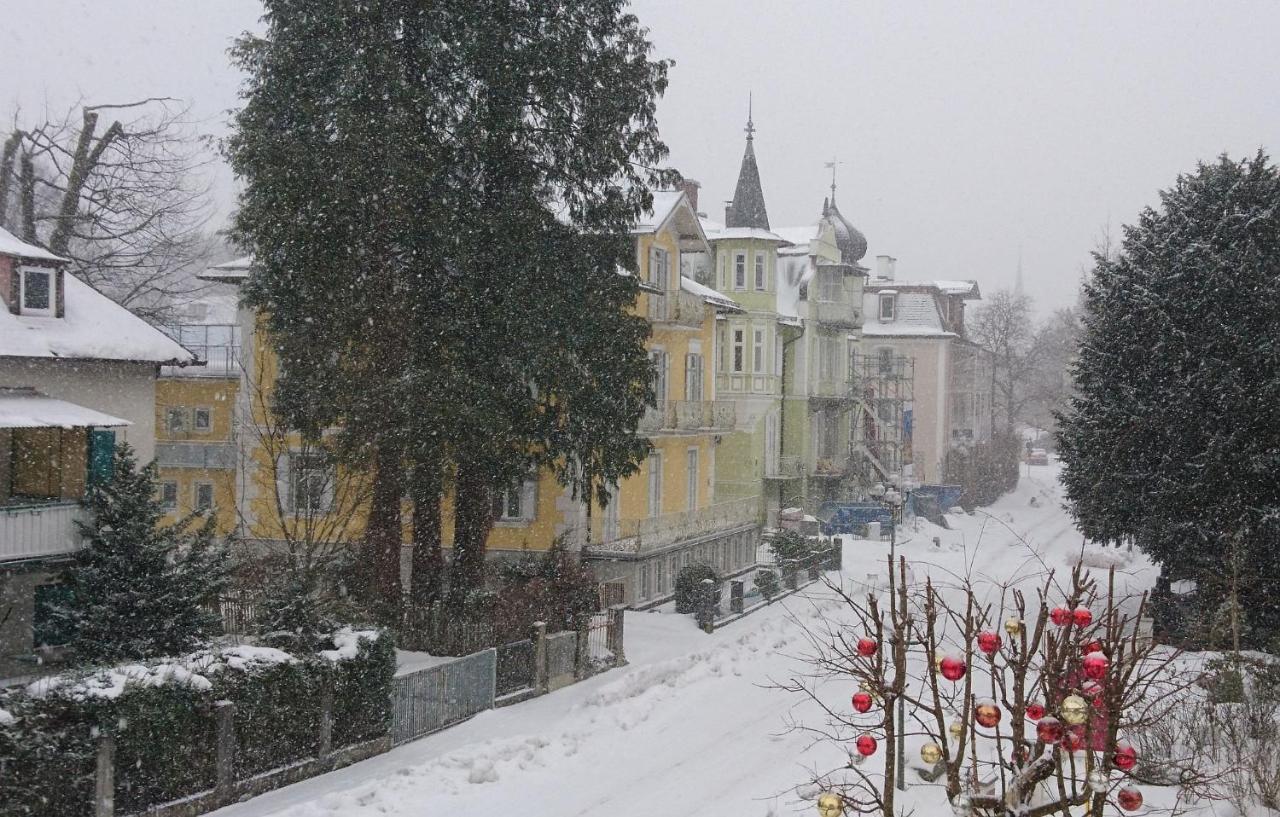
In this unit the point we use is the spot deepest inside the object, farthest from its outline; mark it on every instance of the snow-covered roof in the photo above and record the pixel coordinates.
(28, 408)
(10, 244)
(915, 315)
(798, 237)
(967, 288)
(235, 270)
(93, 328)
(716, 231)
(708, 294)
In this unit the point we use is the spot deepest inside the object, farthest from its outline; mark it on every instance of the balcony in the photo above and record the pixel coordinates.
(829, 468)
(839, 314)
(196, 455)
(688, 416)
(40, 529)
(830, 388)
(681, 308)
(784, 468)
(642, 536)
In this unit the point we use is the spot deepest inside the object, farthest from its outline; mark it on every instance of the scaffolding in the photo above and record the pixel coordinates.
(880, 436)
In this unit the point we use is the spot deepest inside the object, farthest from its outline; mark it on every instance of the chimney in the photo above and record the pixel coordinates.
(690, 188)
(884, 267)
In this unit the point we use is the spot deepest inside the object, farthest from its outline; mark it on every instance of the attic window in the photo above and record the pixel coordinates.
(37, 291)
(888, 306)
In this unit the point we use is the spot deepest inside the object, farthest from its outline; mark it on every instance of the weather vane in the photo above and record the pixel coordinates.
(831, 165)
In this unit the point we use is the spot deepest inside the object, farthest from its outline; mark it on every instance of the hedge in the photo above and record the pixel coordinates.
(163, 717)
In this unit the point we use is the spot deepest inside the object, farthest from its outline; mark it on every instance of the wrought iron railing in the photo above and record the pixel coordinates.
(648, 533)
(689, 415)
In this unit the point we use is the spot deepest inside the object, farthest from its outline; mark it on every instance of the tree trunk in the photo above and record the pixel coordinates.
(426, 579)
(383, 534)
(473, 519)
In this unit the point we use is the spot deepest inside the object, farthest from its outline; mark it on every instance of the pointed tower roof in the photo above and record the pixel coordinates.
(747, 208)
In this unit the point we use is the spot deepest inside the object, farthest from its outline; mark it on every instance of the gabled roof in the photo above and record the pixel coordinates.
(10, 244)
(664, 207)
(94, 327)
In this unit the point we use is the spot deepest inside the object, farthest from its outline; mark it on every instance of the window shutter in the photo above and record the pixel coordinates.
(286, 485)
(529, 500)
(102, 448)
(653, 266)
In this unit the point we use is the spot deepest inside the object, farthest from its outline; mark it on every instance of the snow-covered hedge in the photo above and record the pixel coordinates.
(162, 714)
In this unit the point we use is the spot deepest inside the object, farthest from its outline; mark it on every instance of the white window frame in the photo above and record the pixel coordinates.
(322, 469)
(195, 419)
(516, 504)
(196, 488)
(693, 377)
(738, 352)
(890, 301)
(692, 469)
(655, 484)
(180, 413)
(661, 370)
(52, 275)
(760, 277)
(757, 350)
(646, 588)
(740, 271)
(169, 495)
(659, 267)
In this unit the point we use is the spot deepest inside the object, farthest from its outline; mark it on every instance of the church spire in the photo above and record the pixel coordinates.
(747, 208)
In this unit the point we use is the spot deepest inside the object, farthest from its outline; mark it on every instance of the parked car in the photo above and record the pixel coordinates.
(1038, 456)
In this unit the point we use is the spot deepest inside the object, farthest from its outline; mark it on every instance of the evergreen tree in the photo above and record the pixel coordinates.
(139, 589)
(439, 197)
(1171, 439)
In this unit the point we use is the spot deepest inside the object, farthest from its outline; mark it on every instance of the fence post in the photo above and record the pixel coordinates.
(735, 595)
(705, 612)
(789, 575)
(813, 566)
(224, 716)
(326, 720)
(616, 619)
(582, 654)
(104, 789)
(540, 657)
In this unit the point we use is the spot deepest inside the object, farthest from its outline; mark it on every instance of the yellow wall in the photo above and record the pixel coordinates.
(219, 395)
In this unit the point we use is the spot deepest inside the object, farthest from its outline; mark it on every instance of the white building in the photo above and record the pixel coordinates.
(77, 376)
(924, 321)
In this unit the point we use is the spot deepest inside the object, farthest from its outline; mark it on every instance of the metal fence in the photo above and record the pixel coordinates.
(515, 667)
(433, 698)
(597, 630)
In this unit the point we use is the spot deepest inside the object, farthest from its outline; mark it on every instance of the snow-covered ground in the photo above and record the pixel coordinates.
(692, 725)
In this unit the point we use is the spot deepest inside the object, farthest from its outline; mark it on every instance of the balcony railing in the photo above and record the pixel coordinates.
(682, 308)
(196, 455)
(40, 529)
(634, 536)
(830, 387)
(830, 467)
(784, 468)
(688, 415)
(837, 313)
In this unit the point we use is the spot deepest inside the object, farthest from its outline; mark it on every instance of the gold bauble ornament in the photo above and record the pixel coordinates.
(956, 728)
(1074, 710)
(830, 804)
(1013, 626)
(931, 753)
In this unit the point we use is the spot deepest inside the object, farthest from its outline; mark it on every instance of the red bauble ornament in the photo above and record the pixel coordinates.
(867, 647)
(1035, 711)
(1094, 690)
(1095, 666)
(862, 701)
(866, 745)
(986, 714)
(989, 642)
(1073, 739)
(1126, 757)
(1060, 616)
(1049, 729)
(1082, 617)
(953, 669)
(1129, 798)
(1093, 646)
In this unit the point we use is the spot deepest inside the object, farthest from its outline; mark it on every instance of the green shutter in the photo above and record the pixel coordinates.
(102, 449)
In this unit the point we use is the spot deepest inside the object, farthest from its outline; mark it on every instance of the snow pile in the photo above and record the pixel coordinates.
(6, 717)
(346, 643)
(111, 683)
(245, 658)
(1104, 558)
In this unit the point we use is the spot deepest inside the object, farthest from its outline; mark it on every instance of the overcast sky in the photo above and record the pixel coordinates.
(967, 132)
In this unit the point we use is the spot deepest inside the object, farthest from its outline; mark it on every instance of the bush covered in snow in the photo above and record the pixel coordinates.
(767, 583)
(162, 716)
(688, 584)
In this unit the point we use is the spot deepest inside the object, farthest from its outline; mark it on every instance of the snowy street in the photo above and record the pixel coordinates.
(691, 724)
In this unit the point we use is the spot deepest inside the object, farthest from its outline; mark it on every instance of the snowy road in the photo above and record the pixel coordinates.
(691, 726)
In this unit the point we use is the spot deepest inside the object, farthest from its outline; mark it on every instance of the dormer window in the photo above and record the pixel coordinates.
(888, 306)
(37, 296)
(659, 267)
